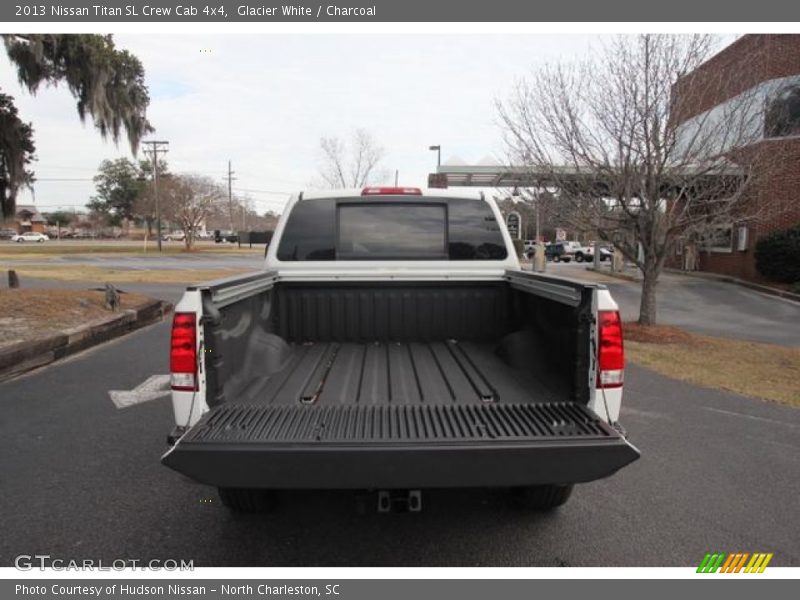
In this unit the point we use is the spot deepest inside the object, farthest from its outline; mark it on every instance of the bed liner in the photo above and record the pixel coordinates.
(397, 373)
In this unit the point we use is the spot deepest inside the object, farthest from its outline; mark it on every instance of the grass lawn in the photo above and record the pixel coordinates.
(753, 369)
(101, 275)
(27, 314)
(21, 251)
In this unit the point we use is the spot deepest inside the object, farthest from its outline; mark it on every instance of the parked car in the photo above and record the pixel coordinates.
(225, 236)
(173, 236)
(557, 252)
(586, 253)
(390, 344)
(29, 236)
(606, 253)
(7, 234)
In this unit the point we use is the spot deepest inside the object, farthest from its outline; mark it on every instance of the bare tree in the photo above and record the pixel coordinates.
(350, 166)
(144, 207)
(188, 200)
(605, 138)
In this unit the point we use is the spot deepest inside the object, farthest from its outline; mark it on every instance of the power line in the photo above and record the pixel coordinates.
(275, 192)
(64, 168)
(63, 204)
(293, 182)
(38, 179)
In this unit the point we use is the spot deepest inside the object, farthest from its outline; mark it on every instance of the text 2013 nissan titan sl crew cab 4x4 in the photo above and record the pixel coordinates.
(392, 343)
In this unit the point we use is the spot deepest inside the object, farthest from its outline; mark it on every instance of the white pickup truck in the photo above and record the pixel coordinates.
(393, 344)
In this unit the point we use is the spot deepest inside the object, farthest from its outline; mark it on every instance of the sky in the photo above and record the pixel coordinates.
(264, 101)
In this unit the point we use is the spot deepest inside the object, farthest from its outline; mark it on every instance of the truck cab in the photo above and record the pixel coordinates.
(392, 343)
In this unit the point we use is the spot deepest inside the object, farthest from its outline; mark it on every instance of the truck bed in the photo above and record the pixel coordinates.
(397, 385)
(397, 373)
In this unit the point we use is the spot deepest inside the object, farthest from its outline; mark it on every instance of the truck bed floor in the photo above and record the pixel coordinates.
(397, 373)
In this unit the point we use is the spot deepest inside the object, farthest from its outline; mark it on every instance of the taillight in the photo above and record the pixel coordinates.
(611, 353)
(391, 191)
(183, 353)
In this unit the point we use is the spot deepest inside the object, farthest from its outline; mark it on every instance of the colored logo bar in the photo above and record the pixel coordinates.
(736, 562)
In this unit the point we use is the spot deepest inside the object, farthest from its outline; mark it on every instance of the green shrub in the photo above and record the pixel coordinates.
(778, 255)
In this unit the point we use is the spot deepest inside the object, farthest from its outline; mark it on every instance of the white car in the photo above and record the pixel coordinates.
(29, 236)
(586, 253)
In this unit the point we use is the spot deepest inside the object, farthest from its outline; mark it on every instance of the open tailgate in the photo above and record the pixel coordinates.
(399, 446)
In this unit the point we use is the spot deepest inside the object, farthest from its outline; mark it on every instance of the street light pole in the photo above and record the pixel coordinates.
(438, 150)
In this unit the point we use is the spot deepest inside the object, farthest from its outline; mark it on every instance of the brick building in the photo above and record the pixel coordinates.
(27, 218)
(766, 67)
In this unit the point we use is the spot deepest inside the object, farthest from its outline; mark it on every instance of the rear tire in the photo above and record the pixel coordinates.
(247, 500)
(556, 258)
(579, 257)
(542, 497)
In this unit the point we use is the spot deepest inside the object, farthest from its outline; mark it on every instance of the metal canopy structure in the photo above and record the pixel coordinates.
(496, 175)
(500, 176)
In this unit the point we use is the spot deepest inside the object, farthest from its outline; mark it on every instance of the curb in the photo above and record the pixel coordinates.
(764, 289)
(615, 275)
(25, 356)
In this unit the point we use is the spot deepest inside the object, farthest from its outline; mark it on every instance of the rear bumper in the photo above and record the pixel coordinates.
(399, 447)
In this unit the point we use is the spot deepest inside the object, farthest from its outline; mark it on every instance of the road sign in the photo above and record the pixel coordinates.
(514, 224)
(561, 235)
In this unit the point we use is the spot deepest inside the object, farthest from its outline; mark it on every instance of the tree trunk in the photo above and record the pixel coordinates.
(647, 306)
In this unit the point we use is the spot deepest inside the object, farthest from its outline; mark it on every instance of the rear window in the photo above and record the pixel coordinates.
(392, 228)
(391, 231)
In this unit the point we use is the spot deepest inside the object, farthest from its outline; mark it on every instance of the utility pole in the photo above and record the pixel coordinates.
(156, 147)
(230, 195)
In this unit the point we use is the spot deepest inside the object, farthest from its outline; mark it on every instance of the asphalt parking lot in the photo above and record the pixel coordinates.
(704, 306)
(81, 478)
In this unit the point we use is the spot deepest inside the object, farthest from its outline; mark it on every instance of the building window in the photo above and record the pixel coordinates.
(719, 239)
(782, 117)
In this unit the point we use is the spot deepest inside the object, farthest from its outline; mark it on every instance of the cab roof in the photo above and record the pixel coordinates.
(377, 191)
